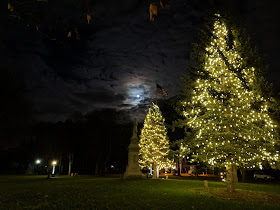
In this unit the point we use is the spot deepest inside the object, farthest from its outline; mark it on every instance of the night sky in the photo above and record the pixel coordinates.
(121, 54)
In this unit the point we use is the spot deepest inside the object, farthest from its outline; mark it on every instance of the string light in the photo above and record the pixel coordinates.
(154, 143)
(221, 108)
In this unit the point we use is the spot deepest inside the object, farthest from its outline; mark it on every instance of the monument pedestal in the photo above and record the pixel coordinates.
(133, 169)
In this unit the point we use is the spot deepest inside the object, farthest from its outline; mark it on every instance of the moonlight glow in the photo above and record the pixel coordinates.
(136, 94)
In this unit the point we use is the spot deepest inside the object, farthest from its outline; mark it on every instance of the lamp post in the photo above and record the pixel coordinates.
(53, 170)
(38, 161)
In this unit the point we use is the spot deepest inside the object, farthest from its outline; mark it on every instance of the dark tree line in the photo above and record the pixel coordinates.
(95, 143)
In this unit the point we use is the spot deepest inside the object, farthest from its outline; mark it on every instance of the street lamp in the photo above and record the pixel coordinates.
(53, 170)
(38, 161)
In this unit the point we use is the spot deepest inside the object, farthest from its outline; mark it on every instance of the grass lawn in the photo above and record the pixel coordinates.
(86, 192)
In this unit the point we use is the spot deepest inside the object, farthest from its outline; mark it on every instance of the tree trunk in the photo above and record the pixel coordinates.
(70, 163)
(61, 169)
(98, 164)
(155, 171)
(60, 165)
(235, 177)
(229, 167)
(69, 169)
(243, 173)
(96, 167)
(230, 177)
(180, 166)
(48, 168)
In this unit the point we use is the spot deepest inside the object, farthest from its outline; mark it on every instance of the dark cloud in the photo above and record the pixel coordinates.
(124, 105)
(122, 55)
(100, 96)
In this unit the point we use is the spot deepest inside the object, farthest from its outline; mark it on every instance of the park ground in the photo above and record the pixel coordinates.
(89, 192)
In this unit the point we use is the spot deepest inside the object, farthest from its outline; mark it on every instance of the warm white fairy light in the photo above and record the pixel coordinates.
(154, 143)
(221, 108)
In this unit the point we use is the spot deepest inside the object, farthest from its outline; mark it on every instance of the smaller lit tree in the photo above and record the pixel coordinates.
(154, 143)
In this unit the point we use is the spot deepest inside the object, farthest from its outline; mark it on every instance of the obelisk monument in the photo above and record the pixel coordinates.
(133, 169)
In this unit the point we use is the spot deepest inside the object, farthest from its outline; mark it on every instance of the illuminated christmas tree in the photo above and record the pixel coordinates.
(154, 143)
(227, 108)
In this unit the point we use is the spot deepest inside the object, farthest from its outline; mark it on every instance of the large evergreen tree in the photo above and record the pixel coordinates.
(154, 143)
(229, 106)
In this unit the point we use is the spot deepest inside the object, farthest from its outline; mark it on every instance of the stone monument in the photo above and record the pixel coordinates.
(133, 169)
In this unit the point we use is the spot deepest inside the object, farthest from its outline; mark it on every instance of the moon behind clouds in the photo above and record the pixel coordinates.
(136, 94)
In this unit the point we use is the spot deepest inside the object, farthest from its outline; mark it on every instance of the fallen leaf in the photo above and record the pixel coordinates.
(10, 7)
(153, 11)
(89, 18)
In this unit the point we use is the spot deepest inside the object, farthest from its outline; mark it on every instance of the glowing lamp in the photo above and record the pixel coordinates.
(53, 170)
